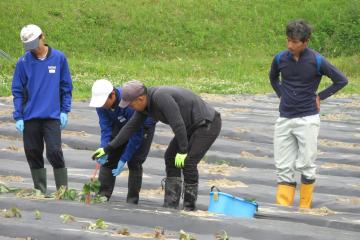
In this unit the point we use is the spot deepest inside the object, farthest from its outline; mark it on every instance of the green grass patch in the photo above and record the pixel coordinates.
(210, 46)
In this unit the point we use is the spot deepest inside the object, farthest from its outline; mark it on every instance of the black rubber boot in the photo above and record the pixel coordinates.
(190, 196)
(61, 177)
(107, 182)
(39, 179)
(172, 192)
(134, 186)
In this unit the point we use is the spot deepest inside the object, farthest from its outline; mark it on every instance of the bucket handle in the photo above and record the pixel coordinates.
(216, 194)
(212, 188)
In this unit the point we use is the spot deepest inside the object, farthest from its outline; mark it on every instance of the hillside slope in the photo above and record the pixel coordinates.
(210, 46)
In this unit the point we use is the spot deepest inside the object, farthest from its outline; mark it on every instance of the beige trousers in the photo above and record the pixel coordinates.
(295, 147)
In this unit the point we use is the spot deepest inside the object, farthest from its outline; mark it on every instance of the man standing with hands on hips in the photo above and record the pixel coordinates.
(42, 90)
(297, 128)
(196, 126)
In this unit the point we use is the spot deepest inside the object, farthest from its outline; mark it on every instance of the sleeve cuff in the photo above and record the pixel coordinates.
(108, 149)
(183, 151)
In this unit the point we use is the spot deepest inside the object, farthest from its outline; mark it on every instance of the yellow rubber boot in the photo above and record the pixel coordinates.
(285, 195)
(306, 192)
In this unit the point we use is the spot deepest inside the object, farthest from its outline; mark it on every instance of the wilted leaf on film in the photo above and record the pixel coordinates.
(185, 236)
(124, 232)
(67, 218)
(37, 214)
(13, 212)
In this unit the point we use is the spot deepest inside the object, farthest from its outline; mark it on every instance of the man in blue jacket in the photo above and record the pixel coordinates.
(112, 118)
(297, 128)
(42, 89)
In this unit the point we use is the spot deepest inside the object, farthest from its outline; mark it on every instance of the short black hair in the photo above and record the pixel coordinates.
(299, 29)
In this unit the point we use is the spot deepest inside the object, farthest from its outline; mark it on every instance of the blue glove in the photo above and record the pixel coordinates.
(63, 120)
(20, 125)
(102, 160)
(119, 168)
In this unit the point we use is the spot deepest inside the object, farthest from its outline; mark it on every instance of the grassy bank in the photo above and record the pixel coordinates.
(208, 46)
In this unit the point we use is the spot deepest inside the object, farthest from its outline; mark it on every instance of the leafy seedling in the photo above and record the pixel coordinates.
(221, 162)
(30, 194)
(65, 194)
(67, 218)
(222, 235)
(37, 214)
(99, 199)
(5, 189)
(90, 191)
(185, 236)
(13, 213)
(99, 224)
(159, 233)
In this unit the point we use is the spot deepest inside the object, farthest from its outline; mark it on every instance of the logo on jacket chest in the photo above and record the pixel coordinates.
(121, 119)
(52, 69)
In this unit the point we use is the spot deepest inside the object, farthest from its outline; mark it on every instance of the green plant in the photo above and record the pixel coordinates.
(99, 224)
(93, 186)
(221, 162)
(37, 214)
(30, 194)
(90, 191)
(159, 233)
(67, 218)
(65, 194)
(13, 213)
(5, 189)
(185, 236)
(221, 235)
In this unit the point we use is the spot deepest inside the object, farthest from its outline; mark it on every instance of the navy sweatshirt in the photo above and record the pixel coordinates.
(300, 81)
(41, 88)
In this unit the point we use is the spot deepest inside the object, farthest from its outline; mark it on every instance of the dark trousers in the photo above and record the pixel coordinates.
(139, 157)
(38, 131)
(107, 180)
(200, 141)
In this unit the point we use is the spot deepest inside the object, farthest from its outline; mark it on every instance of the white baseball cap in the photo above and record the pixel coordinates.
(29, 35)
(100, 92)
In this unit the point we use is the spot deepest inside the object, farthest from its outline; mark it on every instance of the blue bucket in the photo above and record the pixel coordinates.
(229, 205)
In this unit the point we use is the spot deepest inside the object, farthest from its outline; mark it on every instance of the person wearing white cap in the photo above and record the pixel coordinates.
(195, 124)
(42, 90)
(105, 98)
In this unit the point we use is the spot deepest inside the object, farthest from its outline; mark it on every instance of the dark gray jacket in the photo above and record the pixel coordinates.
(178, 107)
